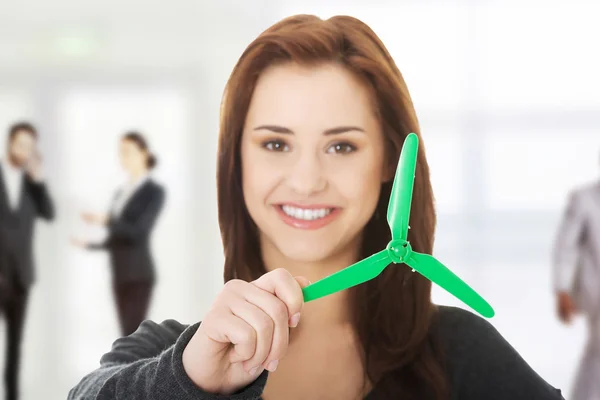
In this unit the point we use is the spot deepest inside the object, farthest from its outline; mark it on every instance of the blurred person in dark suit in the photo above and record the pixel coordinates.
(576, 263)
(134, 211)
(23, 197)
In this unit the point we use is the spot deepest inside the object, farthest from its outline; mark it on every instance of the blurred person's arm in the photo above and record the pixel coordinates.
(148, 365)
(97, 246)
(566, 254)
(2, 264)
(39, 191)
(90, 245)
(566, 250)
(44, 205)
(129, 231)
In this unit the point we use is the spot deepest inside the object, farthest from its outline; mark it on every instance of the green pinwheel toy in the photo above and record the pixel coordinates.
(399, 251)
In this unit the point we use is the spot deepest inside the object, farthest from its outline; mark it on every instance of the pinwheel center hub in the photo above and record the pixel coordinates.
(399, 251)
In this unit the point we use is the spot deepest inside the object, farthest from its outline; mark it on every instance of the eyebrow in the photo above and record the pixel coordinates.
(286, 131)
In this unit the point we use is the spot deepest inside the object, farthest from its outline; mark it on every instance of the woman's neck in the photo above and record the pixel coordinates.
(136, 175)
(326, 312)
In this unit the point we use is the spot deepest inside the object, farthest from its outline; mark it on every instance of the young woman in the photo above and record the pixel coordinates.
(135, 208)
(313, 120)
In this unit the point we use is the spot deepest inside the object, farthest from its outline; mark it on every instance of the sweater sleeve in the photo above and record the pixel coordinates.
(484, 365)
(148, 365)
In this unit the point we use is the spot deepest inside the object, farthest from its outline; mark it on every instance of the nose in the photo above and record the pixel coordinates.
(306, 175)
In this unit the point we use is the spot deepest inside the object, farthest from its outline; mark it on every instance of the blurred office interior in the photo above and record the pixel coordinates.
(506, 93)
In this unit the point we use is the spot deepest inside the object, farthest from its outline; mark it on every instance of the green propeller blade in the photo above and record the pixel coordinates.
(355, 274)
(398, 213)
(399, 251)
(438, 273)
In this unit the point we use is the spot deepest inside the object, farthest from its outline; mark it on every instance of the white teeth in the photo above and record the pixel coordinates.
(306, 214)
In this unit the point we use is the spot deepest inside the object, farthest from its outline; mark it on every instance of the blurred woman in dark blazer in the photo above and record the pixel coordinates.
(133, 213)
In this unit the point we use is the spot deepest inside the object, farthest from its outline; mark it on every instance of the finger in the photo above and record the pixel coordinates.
(302, 281)
(263, 326)
(225, 327)
(278, 312)
(283, 285)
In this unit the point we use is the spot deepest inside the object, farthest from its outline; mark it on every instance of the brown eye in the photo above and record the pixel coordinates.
(275, 145)
(342, 148)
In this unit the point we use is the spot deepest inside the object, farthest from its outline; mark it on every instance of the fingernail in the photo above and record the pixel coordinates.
(272, 365)
(295, 319)
(253, 371)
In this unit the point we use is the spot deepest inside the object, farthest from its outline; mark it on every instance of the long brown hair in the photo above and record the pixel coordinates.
(393, 313)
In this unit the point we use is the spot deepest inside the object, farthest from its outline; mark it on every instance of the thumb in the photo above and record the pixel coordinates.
(302, 281)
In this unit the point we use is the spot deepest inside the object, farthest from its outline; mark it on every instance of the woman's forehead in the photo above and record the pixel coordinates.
(324, 95)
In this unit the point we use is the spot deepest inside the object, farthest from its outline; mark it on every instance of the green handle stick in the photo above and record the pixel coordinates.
(398, 251)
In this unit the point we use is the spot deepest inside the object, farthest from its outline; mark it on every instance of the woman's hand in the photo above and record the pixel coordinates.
(79, 243)
(92, 218)
(245, 331)
(565, 306)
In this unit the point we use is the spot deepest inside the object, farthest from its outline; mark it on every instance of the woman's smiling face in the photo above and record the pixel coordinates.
(312, 160)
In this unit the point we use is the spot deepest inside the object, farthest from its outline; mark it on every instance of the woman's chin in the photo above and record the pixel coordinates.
(308, 253)
(306, 258)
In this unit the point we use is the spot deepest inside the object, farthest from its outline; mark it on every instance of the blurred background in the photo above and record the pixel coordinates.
(507, 96)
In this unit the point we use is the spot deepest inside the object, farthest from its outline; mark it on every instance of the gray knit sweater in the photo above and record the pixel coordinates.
(148, 365)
